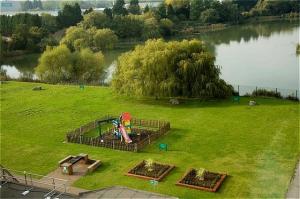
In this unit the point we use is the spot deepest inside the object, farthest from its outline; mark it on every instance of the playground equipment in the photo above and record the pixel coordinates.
(122, 127)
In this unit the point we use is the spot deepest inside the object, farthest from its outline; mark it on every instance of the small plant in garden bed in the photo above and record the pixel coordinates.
(148, 169)
(202, 179)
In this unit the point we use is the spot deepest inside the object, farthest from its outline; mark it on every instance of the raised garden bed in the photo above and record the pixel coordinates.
(158, 172)
(211, 181)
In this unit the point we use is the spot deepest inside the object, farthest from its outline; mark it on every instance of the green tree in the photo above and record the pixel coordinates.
(245, 5)
(181, 8)
(210, 16)
(267, 7)
(166, 27)
(87, 11)
(197, 7)
(161, 68)
(228, 12)
(60, 65)
(77, 38)
(104, 39)
(151, 28)
(146, 9)
(49, 22)
(129, 26)
(177, 3)
(171, 13)
(47, 41)
(70, 15)
(96, 19)
(162, 11)
(55, 65)
(134, 7)
(87, 66)
(75, 33)
(108, 13)
(119, 8)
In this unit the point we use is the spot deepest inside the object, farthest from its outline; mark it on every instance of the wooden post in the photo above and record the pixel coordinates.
(135, 147)
(113, 144)
(239, 89)
(149, 139)
(25, 177)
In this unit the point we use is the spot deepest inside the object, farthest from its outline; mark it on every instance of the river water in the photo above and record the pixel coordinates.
(262, 54)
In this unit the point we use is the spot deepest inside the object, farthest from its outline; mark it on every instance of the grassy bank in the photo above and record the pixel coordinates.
(257, 146)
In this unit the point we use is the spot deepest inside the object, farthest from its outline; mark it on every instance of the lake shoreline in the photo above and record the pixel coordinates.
(266, 41)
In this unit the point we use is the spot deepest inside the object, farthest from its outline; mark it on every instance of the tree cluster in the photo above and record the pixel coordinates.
(265, 7)
(70, 15)
(170, 69)
(226, 11)
(60, 65)
(77, 38)
(130, 26)
(32, 5)
(32, 32)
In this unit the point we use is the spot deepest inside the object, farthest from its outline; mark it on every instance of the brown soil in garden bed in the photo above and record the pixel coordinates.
(210, 182)
(157, 173)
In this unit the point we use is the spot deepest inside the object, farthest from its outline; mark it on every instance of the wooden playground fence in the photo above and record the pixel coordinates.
(159, 128)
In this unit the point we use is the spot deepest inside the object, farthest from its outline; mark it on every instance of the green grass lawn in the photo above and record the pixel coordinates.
(257, 146)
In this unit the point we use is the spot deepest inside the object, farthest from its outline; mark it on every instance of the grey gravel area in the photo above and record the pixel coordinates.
(122, 192)
(294, 188)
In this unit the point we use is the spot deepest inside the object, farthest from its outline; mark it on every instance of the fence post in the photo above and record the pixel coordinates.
(296, 94)
(31, 179)
(239, 89)
(25, 177)
(135, 147)
(53, 183)
(276, 90)
(149, 139)
(256, 90)
(113, 143)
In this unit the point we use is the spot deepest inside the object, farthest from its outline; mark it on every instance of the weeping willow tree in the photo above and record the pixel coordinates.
(170, 69)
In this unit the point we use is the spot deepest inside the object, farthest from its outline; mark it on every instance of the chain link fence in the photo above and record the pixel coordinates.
(246, 90)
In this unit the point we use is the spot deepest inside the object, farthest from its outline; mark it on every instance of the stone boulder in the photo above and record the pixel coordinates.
(174, 101)
(37, 88)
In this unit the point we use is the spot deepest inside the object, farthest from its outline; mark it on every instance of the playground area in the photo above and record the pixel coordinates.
(121, 133)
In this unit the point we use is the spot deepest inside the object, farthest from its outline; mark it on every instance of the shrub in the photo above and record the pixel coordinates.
(266, 93)
(292, 98)
(200, 173)
(149, 164)
(3, 75)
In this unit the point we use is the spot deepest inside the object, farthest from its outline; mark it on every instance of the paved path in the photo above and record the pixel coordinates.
(79, 170)
(294, 189)
(122, 192)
